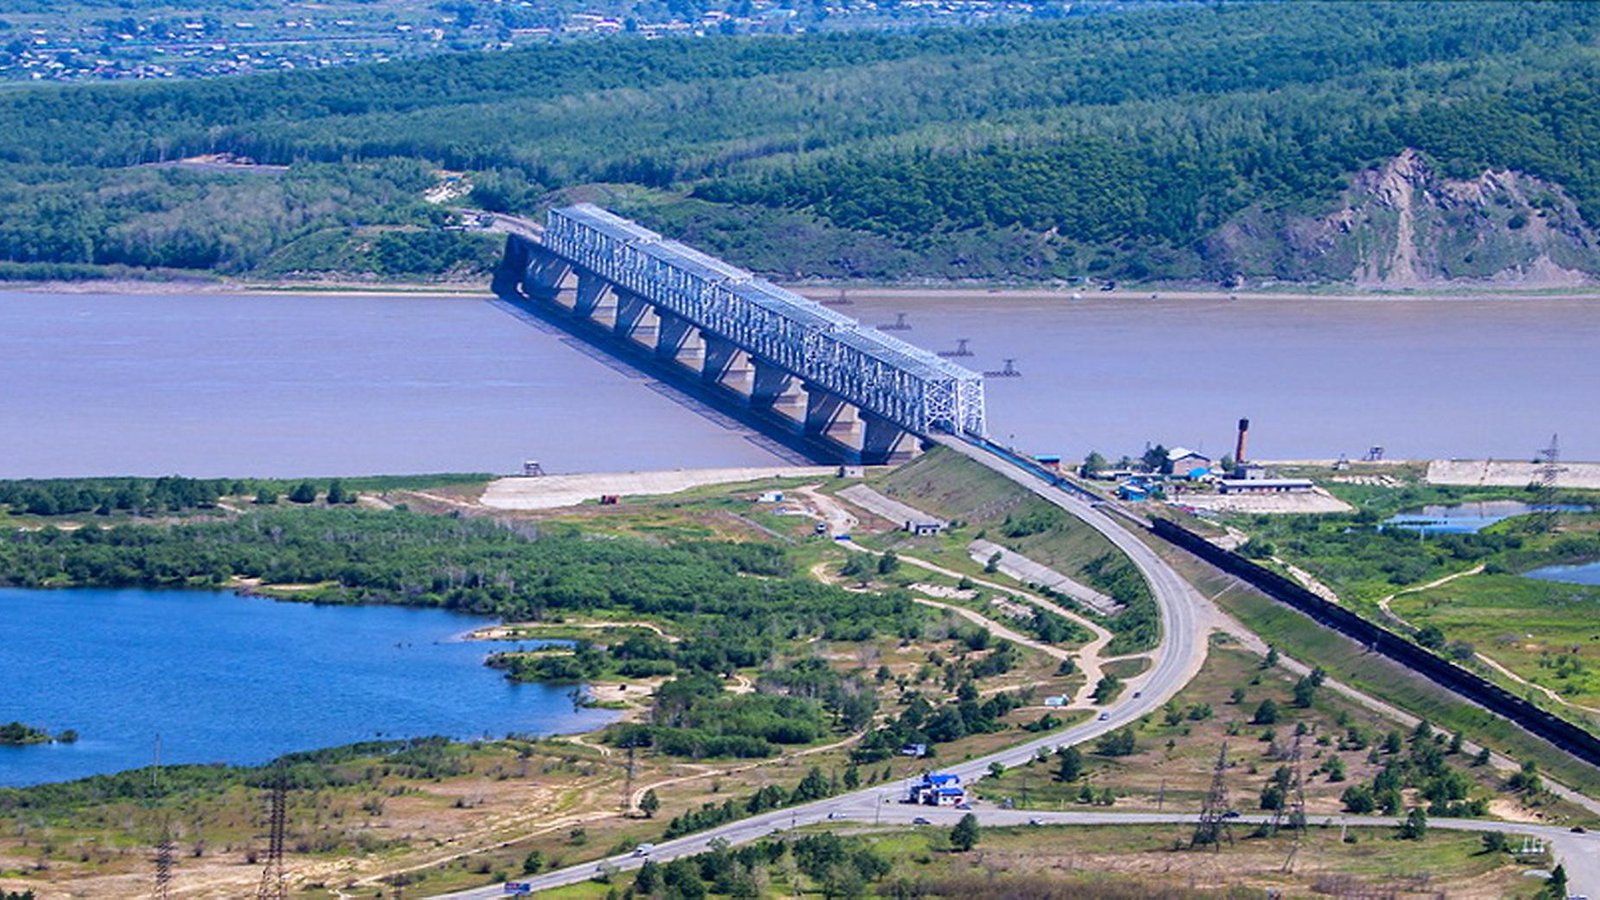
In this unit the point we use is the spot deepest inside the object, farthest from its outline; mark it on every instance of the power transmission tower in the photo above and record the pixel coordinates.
(1297, 811)
(164, 847)
(1213, 824)
(274, 883)
(627, 783)
(1550, 469)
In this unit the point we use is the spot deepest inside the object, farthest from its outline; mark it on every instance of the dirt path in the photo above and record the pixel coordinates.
(505, 631)
(1482, 657)
(1383, 604)
(638, 795)
(840, 520)
(1087, 658)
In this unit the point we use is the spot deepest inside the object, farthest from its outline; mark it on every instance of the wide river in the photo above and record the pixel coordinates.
(225, 678)
(214, 385)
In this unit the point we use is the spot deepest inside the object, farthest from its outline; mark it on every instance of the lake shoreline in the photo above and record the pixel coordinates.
(384, 654)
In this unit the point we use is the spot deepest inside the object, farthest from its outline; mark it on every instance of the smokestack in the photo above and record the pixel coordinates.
(1238, 449)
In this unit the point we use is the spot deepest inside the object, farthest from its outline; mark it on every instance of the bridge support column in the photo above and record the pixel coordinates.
(775, 388)
(678, 340)
(635, 320)
(595, 299)
(726, 364)
(828, 415)
(885, 443)
(546, 274)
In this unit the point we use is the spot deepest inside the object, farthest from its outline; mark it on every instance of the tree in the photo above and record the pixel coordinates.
(1415, 827)
(304, 492)
(649, 803)
(1117, 743)
(1557, 885)
(266, 496)
(1358, 799)
(1393, 742)
(1237, 697)
(1305, 691)
(1155, 458)
(965, 835)
(1495, 842)
(336, 493)
(1266, 713)
(1335, 768)
(648, 881)
(1272, 656)
(533, 863)
(812, 787)
(888, 563)
(1106, 689)
(856, 567)
(993, 565)
(1093, 464)
(1070, 764)
(1272, 797)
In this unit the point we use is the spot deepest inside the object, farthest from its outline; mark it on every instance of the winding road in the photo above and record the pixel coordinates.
(1178, 659)
(1187, 620)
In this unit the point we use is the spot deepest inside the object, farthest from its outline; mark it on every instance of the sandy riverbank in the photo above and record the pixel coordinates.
(972, 293)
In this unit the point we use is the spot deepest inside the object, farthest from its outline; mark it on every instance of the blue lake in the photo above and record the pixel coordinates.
(227, 678)
(1466, 518)
(1585, 573)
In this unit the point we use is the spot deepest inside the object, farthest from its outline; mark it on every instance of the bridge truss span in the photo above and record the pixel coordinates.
(888, 381)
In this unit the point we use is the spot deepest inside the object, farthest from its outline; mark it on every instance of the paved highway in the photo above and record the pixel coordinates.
(1580, 853)
(1177, 659)
(1185, 630)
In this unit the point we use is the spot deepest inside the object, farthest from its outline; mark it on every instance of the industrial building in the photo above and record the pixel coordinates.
(937, 789)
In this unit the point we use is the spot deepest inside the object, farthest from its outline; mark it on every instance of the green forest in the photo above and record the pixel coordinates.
(1113, 145)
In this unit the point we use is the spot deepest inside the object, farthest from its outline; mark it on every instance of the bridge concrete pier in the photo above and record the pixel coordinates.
(543, 274)
(635, 319)
(830, 416)
(595, 299)
(728, 365)
(775, 389)
(884, 442)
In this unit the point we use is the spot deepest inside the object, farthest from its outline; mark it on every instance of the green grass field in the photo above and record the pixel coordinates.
(1545, 631)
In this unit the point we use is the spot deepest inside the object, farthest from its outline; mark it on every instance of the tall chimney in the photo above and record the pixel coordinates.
(1238, 449)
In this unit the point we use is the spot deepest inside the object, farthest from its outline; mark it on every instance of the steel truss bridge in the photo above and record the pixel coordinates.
(862, 389)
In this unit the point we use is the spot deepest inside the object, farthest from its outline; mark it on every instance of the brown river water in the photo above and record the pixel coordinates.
(283, 385)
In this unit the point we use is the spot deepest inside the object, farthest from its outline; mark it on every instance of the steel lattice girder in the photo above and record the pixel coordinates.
(904, 384)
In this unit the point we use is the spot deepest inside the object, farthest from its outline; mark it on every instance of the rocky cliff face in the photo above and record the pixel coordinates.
(1404, 225)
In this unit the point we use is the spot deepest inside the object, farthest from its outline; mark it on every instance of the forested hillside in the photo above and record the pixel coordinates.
(1198, 143)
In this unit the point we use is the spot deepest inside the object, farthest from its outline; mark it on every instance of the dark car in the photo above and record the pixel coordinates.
(920, 821)
(1231, 814)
